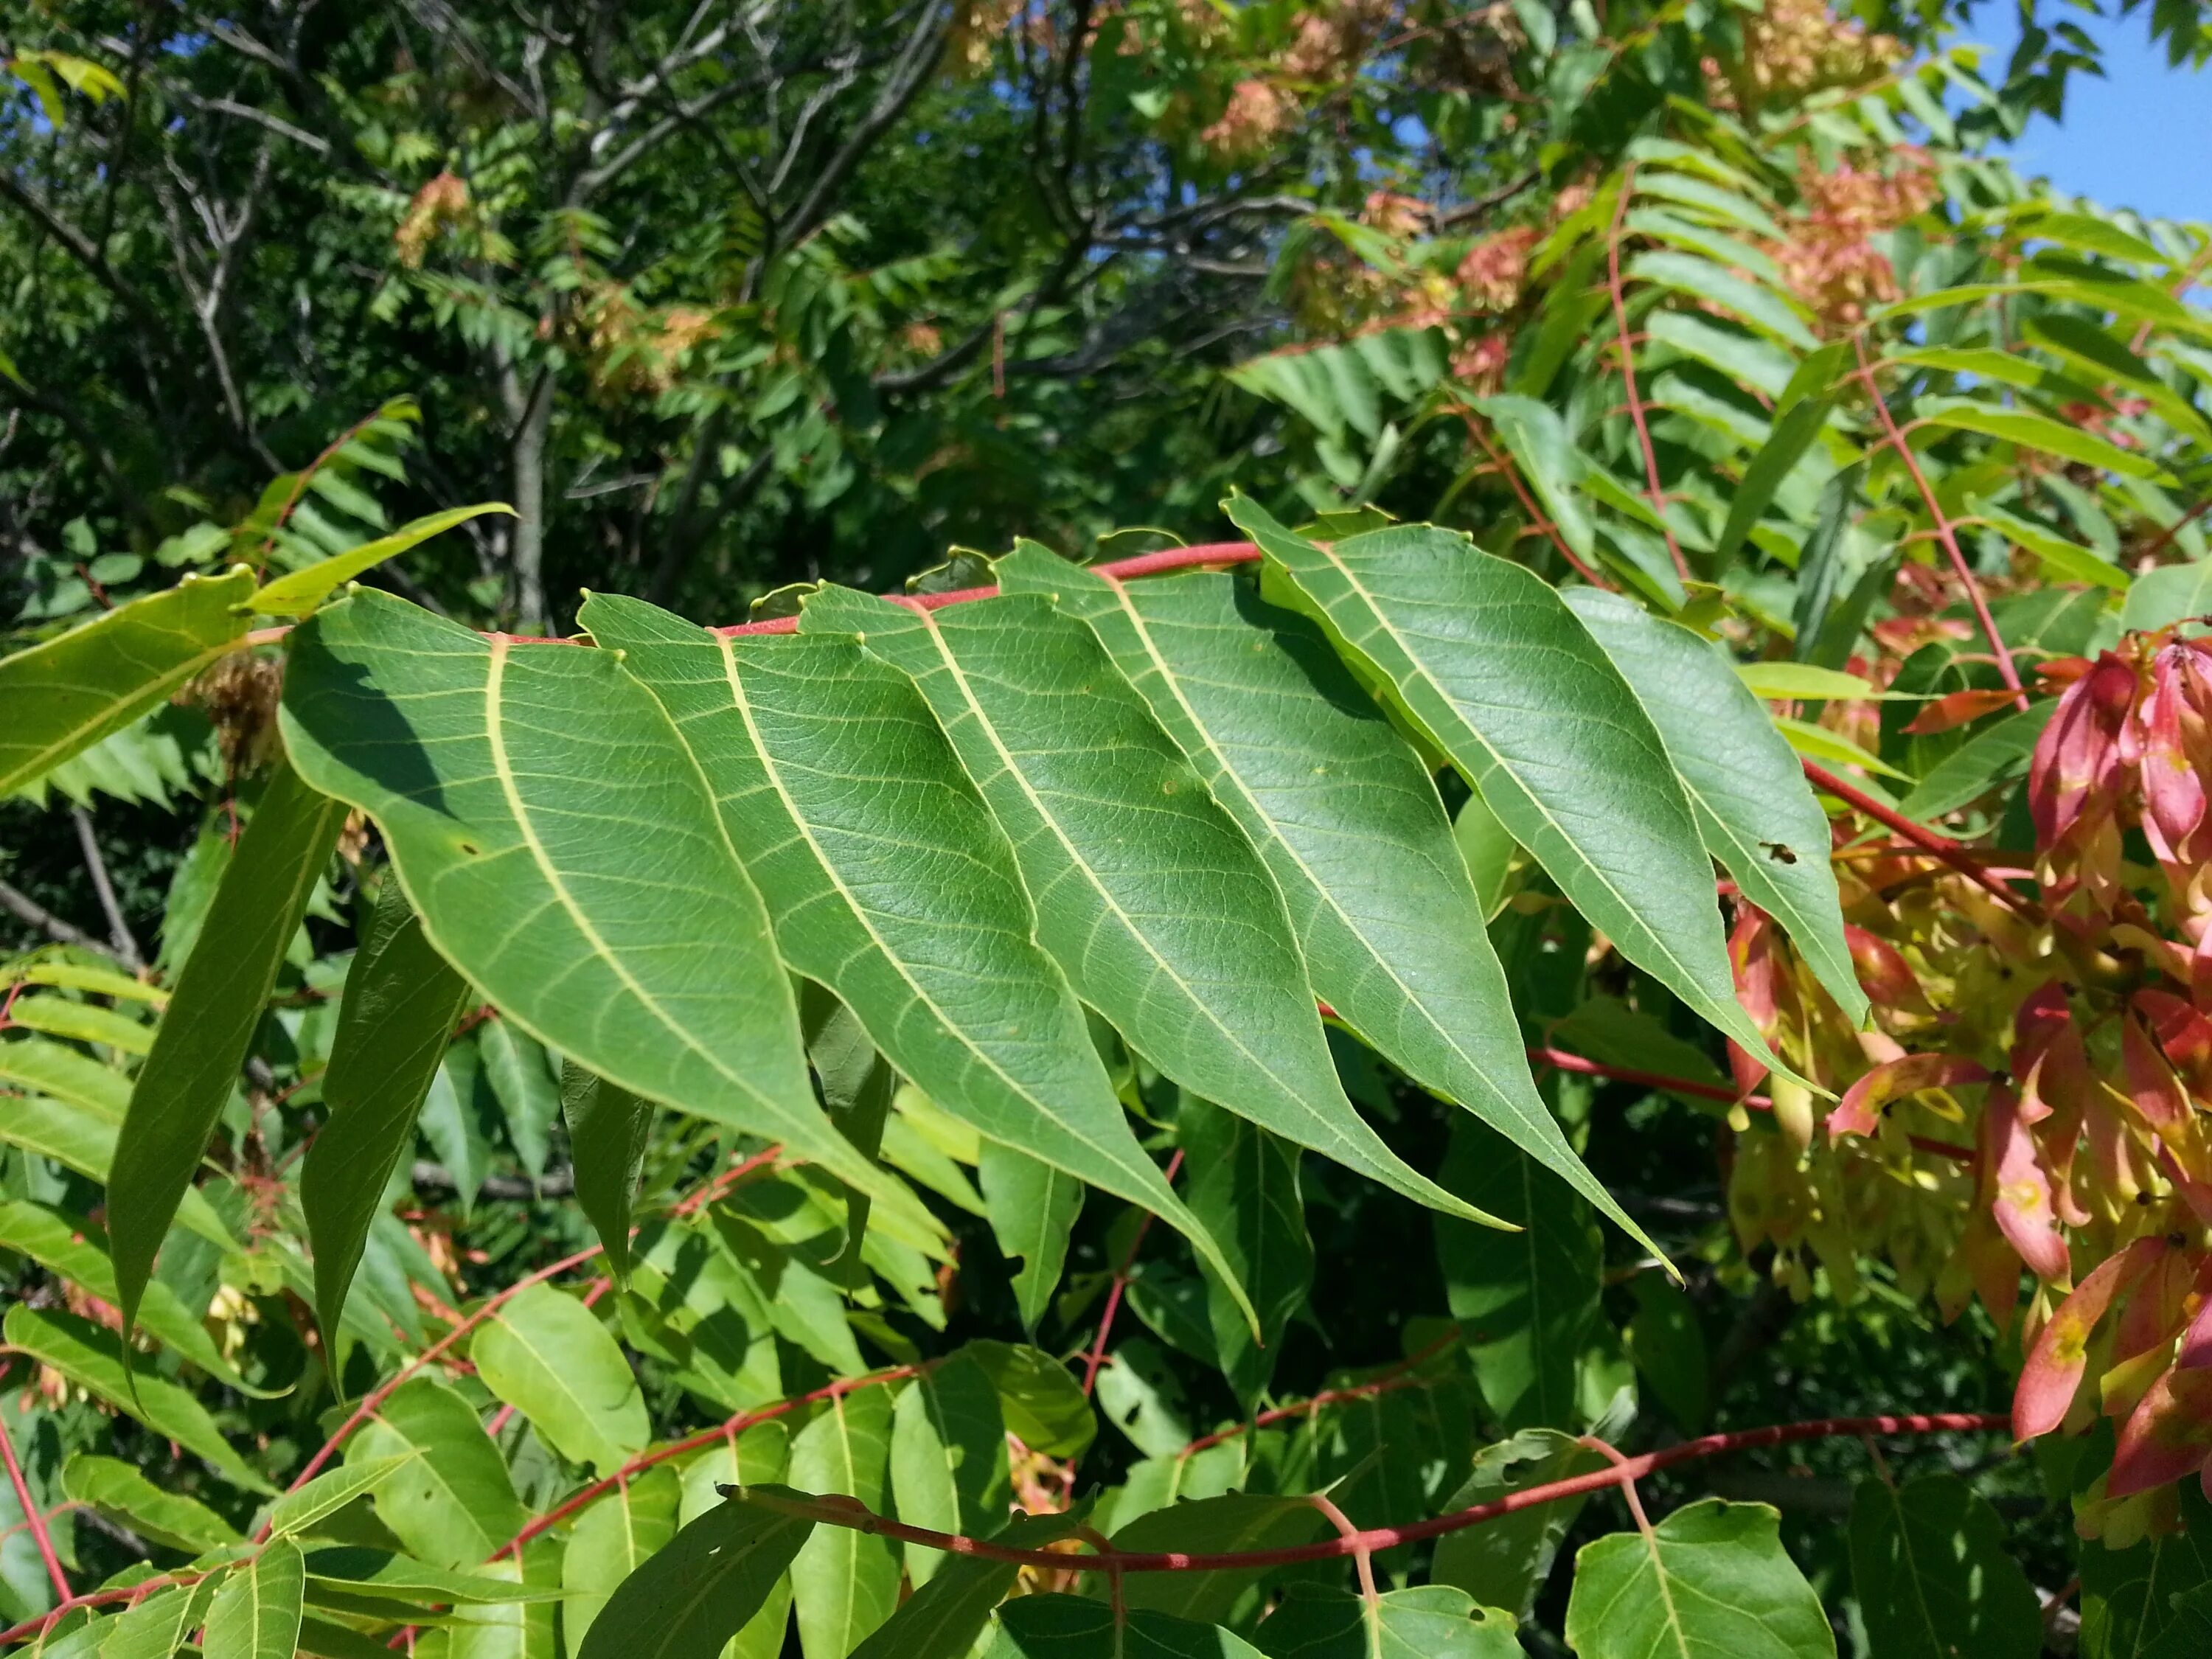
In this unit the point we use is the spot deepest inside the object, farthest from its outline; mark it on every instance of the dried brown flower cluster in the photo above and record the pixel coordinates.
(1496, 269)
(1796, 47)
(239, 696)
(634, 350)
(440, 205)
(1829, 258)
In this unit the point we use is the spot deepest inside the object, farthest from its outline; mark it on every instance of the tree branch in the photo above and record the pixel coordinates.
(26, 909)
(118, 930)
(907, 77)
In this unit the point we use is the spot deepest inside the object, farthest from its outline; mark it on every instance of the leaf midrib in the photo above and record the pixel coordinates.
(1169, 678)
(1129, 926)
(1382, 621)
(774, 775)
(494, 739)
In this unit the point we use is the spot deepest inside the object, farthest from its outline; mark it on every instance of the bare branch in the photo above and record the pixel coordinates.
(916, 62)
(118, 930)
(28, 910)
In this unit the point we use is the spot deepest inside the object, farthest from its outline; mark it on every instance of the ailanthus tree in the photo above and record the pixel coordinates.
(1565, 1016)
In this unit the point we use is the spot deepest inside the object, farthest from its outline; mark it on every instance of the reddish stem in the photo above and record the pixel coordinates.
(1536, 515)
(1944, 533)
(1096, 1357)
(1925, 839)
(726, 1430)
(844, 1514)
(1398, 1376)
(1144, 564)
(32, 1518)
(1628, 376)
(377, 1396)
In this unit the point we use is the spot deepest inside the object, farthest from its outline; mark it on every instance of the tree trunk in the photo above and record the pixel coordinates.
(530, 413)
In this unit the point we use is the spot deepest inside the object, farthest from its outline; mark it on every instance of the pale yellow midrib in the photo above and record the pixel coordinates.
(498, 744)
(1367, 598)
(1168, 677)
(867, 924)
(1014, 771)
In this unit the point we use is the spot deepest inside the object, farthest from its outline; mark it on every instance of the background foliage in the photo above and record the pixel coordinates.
(1725, 309)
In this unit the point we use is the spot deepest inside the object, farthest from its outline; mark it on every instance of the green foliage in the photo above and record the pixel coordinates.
(874, 976)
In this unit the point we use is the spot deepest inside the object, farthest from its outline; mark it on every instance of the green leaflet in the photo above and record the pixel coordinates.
(301, 592)
(857, 1085)
(609, 1128)
(2171, 593)
(942, 1618)
(167, 1517)
(1234, 1521)
(1793, 435)
(1345, 818)
(79, 1142)
(689, 1598)
(1503, 1562)
(1527, 1302)
(53, 1241)
(521, 1627)
(521, 1078)
(845, 1581)
(256, 1613)
(1045, 1407)
(1162, 915)
(2131, 1598)
(1753, 807)
(545, 1353)
(889, 883)
(401, 1003)
(1507, 681)
(1935, 1574)
(611, 1540)
(162, 1623)
(86, 1022)
(948, 1457)
(2031, 431)
(56, 1069)
(1244, 1186)
(453, 1505)
(523, 790)
(66, 694)
(1997, 753)
(1544, 450)
(91, 1357)
(1712, 1583)
(331, 1491)
(1032, 1208)
(1075, 1627)
(205, 1032)
(1434, 1621)
(2190, 1633)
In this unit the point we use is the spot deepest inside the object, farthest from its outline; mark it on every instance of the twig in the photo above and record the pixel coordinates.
(26, 909)
(1096, 1357)
(845, 1514)
(1944, 533)
(377, 1395)
(118, 931)
(33, 1517)
(1536, 515)
(1628, 375)
(1926, 840)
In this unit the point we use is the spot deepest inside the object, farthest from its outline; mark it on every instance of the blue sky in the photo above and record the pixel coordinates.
(2141, 138)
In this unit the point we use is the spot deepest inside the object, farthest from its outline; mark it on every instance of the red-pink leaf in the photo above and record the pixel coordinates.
(2055, 1365)
(2152, 1084)
(2022, 1201)
(1859, 1113)
(2167, 1436)
(1883, 973)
